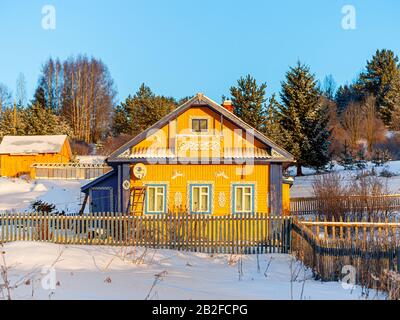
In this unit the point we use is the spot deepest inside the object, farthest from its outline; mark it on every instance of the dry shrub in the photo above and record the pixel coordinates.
(110, 144)
(363, 197)
(391, 144)
(330, 190)
(80, 148)
(374, 260)
(391, 284)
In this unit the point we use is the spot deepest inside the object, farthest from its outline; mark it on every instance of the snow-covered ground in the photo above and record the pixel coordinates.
(99, 272)
(302, 186)
(18, 194)
(91, 159)
(90, 272)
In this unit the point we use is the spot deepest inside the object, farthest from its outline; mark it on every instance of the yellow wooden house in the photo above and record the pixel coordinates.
(18, 153)
(200, 158)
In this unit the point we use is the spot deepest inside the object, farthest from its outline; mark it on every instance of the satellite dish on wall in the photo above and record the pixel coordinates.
(139, 170)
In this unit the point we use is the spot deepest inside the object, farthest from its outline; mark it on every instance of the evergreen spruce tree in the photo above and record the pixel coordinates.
(39, 97)
(346, 158)
(347, 94)
(12, 122)
(382, 79)
(124, 121)
(304, 119)
(248, 99)
(272, 126)
(38, 120)
(141, 111)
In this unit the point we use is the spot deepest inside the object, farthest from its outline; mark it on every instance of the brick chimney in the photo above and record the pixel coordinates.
(227, 104)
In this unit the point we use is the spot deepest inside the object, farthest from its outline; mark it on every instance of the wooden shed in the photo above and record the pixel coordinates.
(18, 153)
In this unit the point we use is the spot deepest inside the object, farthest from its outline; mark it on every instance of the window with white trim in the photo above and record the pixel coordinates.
(243, 199)
(155, 199)
(200, 199)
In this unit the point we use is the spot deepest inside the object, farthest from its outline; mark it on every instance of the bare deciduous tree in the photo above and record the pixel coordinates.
(373, 126)
(352, 123)
(81, 90)
(20, 93)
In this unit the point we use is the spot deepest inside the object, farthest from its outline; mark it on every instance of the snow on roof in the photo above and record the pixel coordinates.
(32, 144)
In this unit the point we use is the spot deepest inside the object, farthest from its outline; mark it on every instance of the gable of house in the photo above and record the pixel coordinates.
(225, 137)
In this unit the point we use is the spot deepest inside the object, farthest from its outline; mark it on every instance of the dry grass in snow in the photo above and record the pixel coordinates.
(96, 272)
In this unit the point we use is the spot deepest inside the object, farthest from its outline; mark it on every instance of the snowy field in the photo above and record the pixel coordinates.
(302, 186)
(89, 272)
(18, 194)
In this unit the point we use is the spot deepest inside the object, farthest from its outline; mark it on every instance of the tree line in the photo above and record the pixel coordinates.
(314, 120)
(76, 96)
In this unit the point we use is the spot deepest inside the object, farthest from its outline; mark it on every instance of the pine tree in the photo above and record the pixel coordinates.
(11, 122)
(304, 119)
(382, 79)
(39, 97)
(38, 120)
(346, 158)
(347, 94)
(141, 111)
(248, 99)
(272, 126)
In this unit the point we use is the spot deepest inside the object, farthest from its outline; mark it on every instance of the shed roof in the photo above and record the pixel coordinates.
(32, 144)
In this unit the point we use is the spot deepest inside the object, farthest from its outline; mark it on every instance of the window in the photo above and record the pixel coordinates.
(200, 199)
(155, 199)
(199, 125)
(243, 198)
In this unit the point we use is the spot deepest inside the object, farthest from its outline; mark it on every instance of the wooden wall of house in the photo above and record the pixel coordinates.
(221, 177)
(15, 165)
(179, 132)
(286, 199)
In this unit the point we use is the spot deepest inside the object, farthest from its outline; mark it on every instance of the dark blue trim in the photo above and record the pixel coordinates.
(165, 198)
(233, 196)
(209, 197)
(93, 183)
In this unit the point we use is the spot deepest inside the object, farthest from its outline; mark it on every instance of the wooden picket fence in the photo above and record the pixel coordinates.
(372, 248)
(354, 229)
(233, 234)
(312, 205)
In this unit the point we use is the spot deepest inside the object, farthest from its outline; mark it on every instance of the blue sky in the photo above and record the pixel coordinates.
(180, 47)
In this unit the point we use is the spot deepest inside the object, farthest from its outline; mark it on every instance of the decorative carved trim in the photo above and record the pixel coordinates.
(178, 199)
(221, 199)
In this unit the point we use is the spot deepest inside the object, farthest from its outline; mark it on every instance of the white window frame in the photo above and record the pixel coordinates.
(200, 186)
(243, 187)
(156, 194)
